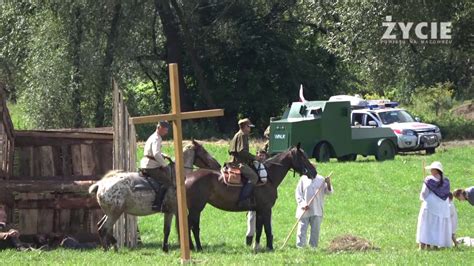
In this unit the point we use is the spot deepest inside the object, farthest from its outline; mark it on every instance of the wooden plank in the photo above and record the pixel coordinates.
(66, 160)
(179, 166)
(183, 116)
(77, 220)
(87, 160)
(57, 160)
(27, 141)
(76, 159)
(46, 161)
(36, 158)
(59, 179)
(43, 186)
(103, 157)
(64, 220)
(46, 217)
(28, 219)
(60, 203)
(62, 135)
(26, 159)
(12, 157)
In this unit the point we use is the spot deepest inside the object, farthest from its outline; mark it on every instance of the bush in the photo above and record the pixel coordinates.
(434, 105)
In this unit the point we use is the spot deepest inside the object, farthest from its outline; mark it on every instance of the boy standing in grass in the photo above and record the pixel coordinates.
(262, 155)
(312, 212)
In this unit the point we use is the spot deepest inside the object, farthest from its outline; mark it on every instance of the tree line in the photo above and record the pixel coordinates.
(249, 57)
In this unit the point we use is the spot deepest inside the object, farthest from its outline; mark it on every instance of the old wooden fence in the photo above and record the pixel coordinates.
(45, 175)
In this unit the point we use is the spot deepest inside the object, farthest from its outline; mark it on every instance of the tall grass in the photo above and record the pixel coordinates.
(374, 200)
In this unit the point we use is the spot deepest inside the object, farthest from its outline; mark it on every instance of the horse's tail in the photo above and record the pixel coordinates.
(93, 188)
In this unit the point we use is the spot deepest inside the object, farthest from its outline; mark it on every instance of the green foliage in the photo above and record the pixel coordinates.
(45, 96)
(248, 57)
(373, 200)
(435, 100)
(434, 104)
(19, 117)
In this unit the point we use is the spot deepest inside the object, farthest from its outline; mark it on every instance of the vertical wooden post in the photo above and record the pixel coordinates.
(178, 150)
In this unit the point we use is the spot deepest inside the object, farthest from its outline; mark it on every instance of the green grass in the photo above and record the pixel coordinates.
(373, 200)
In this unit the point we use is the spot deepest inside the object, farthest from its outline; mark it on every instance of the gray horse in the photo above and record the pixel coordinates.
(121, 192)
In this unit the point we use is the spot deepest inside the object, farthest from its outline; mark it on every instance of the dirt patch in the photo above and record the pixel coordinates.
(457, 143)
(465, 110)
(351, 243)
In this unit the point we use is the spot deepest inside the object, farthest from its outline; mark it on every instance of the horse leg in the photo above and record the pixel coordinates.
(190, 226)
(166, 231)
(108, 229)
(194, 219)
(102, 232)
(267, 223)
(258, 231)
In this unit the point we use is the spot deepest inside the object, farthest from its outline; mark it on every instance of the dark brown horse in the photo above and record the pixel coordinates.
(206, 186)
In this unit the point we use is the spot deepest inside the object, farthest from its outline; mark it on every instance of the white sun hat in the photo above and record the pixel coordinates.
(435, 165)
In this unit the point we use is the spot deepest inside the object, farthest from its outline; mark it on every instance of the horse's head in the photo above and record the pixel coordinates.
(300, 162)
(202, 158)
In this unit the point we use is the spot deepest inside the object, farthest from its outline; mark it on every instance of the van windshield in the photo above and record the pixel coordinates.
(395, 116)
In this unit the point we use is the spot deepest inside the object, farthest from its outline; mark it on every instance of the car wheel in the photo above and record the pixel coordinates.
(347, 158)
(385, 151)
(323, 152)
(430, 150)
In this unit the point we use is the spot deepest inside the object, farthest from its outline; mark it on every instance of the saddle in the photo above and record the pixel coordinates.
(232, 176)
(144, 182)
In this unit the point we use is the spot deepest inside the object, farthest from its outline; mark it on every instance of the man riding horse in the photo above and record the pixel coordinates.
(241, 156)
(153, 163)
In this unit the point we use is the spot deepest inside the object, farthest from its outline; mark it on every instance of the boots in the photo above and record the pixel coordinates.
(159, 197)
(245, 199)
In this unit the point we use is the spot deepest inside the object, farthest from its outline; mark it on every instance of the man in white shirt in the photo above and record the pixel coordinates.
(313, 213)
(154, 165)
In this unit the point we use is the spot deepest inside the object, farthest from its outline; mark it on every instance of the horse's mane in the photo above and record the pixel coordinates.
(274, 158)
(111, 173)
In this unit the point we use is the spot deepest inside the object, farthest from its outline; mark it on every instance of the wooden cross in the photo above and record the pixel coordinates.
(176, 116)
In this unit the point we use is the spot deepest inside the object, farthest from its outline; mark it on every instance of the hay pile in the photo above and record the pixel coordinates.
(350, 243)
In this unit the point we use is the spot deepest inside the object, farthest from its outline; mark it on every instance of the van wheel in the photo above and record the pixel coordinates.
(430, 150)
(323, 152)
(347, 158)
(385, 151)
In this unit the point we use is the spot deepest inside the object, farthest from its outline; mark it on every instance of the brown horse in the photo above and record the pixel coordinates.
(117, 193)
(206, 186)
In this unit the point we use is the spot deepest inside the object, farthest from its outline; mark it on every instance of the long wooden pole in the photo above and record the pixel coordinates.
(301, 216)
(178, 151)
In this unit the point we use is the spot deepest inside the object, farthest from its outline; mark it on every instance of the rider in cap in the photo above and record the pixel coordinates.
(240, 155)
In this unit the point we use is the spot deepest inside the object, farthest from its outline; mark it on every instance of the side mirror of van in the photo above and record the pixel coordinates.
(417, 119)
(372, 123)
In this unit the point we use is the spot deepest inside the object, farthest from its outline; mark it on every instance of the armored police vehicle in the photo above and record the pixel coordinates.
(325, 131)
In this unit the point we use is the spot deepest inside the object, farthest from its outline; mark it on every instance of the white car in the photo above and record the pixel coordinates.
(412, 134)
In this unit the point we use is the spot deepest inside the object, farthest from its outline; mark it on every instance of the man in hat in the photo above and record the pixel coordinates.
(153, 163)
(240, 155)
(465, 194)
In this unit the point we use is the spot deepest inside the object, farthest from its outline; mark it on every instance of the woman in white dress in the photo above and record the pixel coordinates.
(434, 222)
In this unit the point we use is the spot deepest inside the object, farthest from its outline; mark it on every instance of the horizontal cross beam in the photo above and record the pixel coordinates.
(180, 116)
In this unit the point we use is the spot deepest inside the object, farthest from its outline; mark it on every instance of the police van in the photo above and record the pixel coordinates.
(412, 135)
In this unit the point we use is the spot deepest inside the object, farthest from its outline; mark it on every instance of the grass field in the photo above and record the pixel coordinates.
(373, 200)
